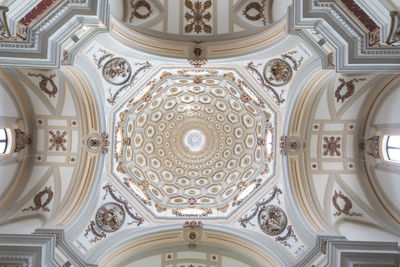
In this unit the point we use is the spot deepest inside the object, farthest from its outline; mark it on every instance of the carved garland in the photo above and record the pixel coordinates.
(284, 239)
(99, 61)
(259, 205)
(349, 89)
(97, 228)
(253, 68)
(110, 190)
(296, 63)
(347, 205)
(43, 83)
(259, 8)
(136, 6)
(113, 97)
(97, 235)
(21, 140)
(37, 200)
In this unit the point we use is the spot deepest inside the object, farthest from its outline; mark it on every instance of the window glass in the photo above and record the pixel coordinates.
(394, 154)
(3, 148)
(394, 141)
(5, 140)
(393, 147)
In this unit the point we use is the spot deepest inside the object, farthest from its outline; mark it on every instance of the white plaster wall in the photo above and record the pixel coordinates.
(279, 8)
(390, 109)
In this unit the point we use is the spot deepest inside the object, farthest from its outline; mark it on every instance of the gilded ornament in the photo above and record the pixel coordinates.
(114, 96)
(272, 220)
(43, 84)
(277, 72)
(139, 6)
(331, 146)
(253, 68)
(284, 239)
(110, 217)
(349, 89)
(346, 209)
(37, 200)
(117, 71)
(57, 140)
(255, 11)
(21, 140)
(198, 16)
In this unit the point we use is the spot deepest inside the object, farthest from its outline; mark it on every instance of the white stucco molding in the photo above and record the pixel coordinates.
(361, 253)
(73, 255)
(42, 48)
(27, 250)
(350, 39)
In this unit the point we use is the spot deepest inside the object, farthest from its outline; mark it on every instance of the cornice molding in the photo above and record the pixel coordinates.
(350, 39)
(360, 253)
(212, 50)
(27, 250)
(42, 49)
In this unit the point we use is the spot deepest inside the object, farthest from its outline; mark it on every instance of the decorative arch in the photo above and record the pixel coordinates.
(249, 250)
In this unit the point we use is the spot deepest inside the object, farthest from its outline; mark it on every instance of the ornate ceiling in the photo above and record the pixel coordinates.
(198, 133)
(193, 142)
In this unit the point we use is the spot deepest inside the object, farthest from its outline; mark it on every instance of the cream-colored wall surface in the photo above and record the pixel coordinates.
(148, 261)
(279, 9)
(390, 109)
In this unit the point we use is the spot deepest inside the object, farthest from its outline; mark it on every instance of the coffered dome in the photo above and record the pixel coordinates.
(193, 142)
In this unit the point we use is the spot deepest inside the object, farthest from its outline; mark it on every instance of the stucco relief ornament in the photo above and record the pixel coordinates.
(277, 72)
(346, 209)
(117, 71)
(52, 91)
(253, 68)
(138, 8)
(198, 16)
(57, 140)
(22, 139)
(272, 220)
(350, 87)
(254, 11)
(110, 217)
(38, 200)
(332, 146)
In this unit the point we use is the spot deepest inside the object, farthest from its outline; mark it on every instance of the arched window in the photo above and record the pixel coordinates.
(5, 140)
(393, 147)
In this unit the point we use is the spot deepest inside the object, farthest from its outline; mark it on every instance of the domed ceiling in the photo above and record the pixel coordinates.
(193, 142)
(193, 125)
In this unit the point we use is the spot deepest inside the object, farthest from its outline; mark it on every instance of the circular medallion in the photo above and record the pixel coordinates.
(117, 71)
(277, 72)
(110, 217)
(272, 220)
